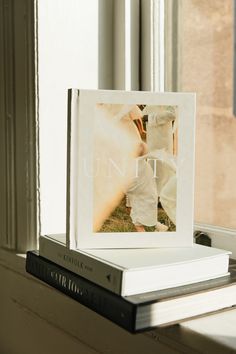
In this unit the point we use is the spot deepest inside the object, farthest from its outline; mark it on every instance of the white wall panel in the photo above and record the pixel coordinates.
(67, 58)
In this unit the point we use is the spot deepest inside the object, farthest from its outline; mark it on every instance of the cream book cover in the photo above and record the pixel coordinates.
(130, 169)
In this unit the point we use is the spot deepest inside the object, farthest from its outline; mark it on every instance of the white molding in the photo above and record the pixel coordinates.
(119, 45)
(152, 45)
(2, 135)
(147, 77)
(25, 125)
(106, 18)
(172, 44)
(158, 44)
(135, 44)
(128, 41)
(7, 142)
(126, 45)
(17, 144)
(37, 147)
(221, 237)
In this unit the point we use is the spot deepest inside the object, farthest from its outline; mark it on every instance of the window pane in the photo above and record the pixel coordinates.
(206, 67)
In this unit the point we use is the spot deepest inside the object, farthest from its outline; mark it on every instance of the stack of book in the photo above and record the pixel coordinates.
(139, 278)
(138, 288)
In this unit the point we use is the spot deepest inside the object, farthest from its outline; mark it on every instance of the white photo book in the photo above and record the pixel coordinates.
(130, 169)
(134, 271)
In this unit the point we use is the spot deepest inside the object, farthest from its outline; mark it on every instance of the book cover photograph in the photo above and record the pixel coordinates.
(130, 167)
(141, 173)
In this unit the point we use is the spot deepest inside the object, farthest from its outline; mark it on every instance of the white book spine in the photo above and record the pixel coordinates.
(82, 264)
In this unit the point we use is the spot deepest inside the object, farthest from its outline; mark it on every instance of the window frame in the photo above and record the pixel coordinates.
(19, 179)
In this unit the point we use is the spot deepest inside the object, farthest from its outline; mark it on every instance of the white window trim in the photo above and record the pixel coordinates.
(221, 237)
(152, 47)
(172, 45)
(138, 56)
(18, 202)
(126, 44)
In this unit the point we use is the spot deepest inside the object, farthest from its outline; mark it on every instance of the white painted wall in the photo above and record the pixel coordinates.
(67, 58)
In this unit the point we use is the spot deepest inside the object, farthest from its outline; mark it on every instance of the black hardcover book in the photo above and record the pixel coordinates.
(142, 311)
(96, 298)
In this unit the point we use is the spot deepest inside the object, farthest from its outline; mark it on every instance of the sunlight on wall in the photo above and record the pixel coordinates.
(67, 58)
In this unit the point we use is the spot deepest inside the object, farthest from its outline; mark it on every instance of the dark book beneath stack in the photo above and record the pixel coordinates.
(139, 312)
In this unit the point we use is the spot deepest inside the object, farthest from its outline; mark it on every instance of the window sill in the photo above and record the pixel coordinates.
(60, 312)
(210, 333)
(221, 237)
(13, 261)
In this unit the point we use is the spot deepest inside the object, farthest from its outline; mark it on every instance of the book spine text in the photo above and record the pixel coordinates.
(100, 300)
(77, 262)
